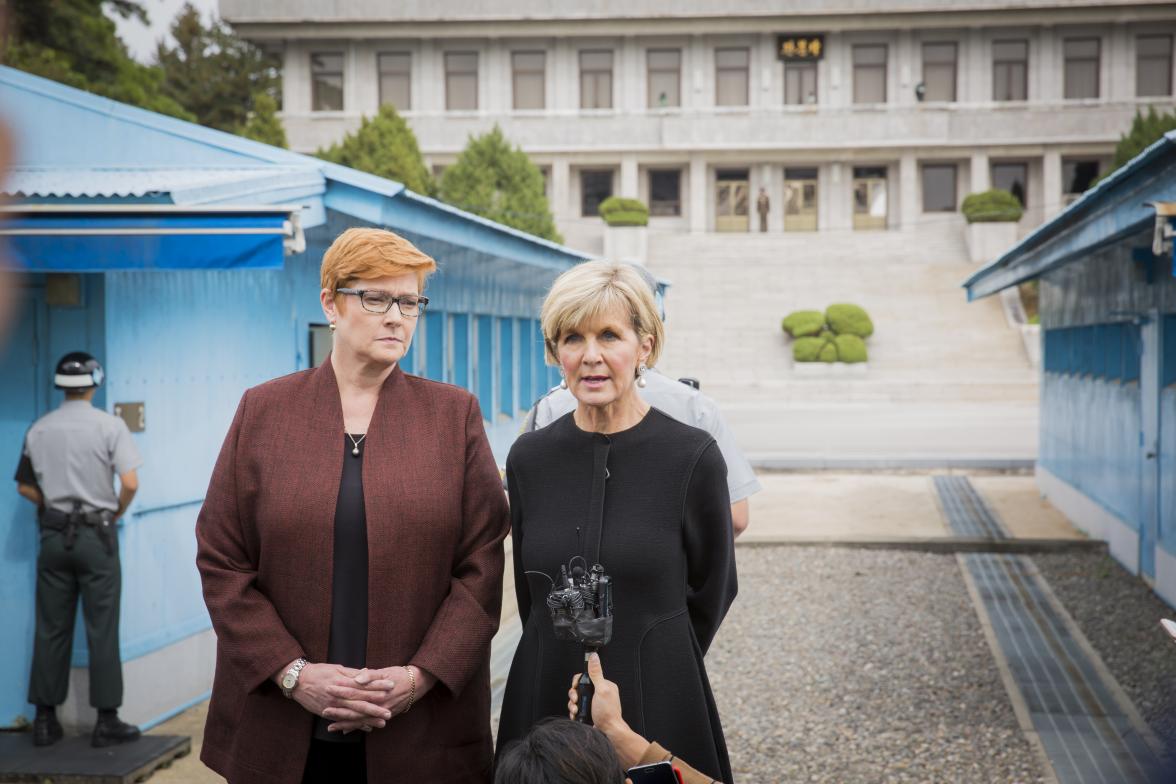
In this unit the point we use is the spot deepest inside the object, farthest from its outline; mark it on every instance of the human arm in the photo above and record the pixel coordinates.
(455, 645)
(26, 478)
(632, 749)
(709, 545)
(30, 492)
(740, 517)
(250, 633)
(128, 486)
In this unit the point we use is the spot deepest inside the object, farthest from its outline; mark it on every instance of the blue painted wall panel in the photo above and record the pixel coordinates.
(459, 332)
(435, 345)
(484, 372)
(525, 328)
(506, 367)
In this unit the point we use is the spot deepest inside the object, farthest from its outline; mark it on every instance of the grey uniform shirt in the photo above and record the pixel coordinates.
(685, 404)
(73, 454)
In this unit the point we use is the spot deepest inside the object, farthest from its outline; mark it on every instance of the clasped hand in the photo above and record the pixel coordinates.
(356, 699)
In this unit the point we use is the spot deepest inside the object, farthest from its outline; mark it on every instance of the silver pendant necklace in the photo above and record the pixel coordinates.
(355, 443)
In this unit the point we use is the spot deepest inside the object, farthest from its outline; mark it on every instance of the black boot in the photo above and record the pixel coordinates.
(111, 730)
(46, 729)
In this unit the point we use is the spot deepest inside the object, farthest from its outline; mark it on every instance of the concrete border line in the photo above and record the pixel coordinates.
(1015, 464)
(1020, 706)
(1120, 696)
(937, 544)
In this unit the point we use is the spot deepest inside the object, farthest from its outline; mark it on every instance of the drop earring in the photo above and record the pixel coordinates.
(641, 369)
(332, 327)
(563, 383)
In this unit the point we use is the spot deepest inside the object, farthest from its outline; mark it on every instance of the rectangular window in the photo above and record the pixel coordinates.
(529, 79)
(665, 77)
(1010, 70)
(869, 73)
(665, 192)
(395, 71)
(1011, 177)
(732, 76)
(1153, 65)
(939, 188)
(461, 81)
(1078, 175)
(939, 72)
(800, 83)
(326, 81)
(596, 185)
(596, 76)
(1082, 56)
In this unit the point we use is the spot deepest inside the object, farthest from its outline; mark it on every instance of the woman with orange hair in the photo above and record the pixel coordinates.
(350, 548)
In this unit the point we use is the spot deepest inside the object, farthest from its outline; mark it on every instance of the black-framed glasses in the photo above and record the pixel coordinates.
(376, 301)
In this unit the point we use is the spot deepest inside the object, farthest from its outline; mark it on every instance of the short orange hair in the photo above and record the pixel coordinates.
(365, 254)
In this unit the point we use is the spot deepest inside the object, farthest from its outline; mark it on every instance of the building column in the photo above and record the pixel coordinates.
(980, 173)
(699, 220)
(833, 198)
(561, 184)
(630, 187)
(908, 191)
(1051, 184)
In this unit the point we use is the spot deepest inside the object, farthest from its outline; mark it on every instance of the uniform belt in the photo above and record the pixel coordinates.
(68, 522)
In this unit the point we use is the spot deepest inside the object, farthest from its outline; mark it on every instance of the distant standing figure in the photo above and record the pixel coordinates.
(762, 205)
(67, 469)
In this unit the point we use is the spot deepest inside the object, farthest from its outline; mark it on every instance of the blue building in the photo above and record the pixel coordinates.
(1107, 455)
(187, 260)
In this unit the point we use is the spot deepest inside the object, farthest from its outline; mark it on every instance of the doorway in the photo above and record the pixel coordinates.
(870, 209)
(732, 199)
(800, 200)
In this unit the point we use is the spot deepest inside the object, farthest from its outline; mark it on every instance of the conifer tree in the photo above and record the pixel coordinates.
(497, 181)
(385, 146)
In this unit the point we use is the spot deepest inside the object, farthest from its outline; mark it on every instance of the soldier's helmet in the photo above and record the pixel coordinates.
(77, 370)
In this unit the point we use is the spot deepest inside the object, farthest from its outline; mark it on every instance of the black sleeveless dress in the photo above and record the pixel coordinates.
(667, 544)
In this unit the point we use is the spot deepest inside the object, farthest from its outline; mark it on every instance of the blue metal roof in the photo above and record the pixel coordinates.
(1114, 209)
(64, 136)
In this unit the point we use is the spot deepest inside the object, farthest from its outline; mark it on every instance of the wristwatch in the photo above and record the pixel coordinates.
(290, 679)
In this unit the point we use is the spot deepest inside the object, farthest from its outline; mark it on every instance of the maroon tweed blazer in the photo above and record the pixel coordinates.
(436, 518)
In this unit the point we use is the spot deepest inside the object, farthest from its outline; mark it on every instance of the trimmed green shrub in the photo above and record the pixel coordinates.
(803, 323)
(828, 353)
(619, 211)
(846, 319)
(850, 348)
(807, 349)
(994, 206)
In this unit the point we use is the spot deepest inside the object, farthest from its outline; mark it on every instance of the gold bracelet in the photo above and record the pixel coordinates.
(411, 688)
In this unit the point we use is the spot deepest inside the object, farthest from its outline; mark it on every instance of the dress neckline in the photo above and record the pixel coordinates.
(618, 434)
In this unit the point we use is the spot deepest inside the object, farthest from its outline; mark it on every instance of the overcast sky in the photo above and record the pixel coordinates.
(141, 39)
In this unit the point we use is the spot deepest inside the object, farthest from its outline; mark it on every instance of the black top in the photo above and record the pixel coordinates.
(349, 579)
(667, 544)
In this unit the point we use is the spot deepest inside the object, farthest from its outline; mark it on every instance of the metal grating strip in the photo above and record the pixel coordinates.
(1085, 733)
(967, 513)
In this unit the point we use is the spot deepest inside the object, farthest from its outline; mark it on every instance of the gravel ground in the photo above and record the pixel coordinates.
(861, 666)
(1120, 616)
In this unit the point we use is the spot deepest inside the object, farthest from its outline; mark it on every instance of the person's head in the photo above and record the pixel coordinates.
(385, 265)
(600, 326)
(560, 751)
(79, 375)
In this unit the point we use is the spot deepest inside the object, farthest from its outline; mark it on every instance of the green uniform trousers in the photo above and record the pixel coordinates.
(85, 569)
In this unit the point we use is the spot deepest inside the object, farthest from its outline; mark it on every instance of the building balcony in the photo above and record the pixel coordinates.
(866, 128)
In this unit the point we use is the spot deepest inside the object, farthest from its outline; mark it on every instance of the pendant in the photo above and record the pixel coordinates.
(355, 451)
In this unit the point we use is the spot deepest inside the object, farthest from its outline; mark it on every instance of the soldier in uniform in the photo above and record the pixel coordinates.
(684, 403)
(67, 469)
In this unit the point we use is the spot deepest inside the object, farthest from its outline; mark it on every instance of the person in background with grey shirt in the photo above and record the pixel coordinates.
(685, 404)
(67, 468)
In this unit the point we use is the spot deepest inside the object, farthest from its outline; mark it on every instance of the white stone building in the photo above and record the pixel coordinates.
(901, 109)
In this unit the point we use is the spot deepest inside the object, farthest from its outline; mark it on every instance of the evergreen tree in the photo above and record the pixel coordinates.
(216, 75)
(1145, 131)
(264, 125)
(385, 146)
(74, 42)
(499, 182)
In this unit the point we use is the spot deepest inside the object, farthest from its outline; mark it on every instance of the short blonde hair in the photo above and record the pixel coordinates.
(365, 254)
(590, 290)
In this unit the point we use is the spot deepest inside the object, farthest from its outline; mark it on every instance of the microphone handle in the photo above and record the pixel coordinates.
(584, 692)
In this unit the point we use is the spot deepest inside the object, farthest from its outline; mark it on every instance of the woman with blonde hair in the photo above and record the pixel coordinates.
(620, 484)
(350, 548)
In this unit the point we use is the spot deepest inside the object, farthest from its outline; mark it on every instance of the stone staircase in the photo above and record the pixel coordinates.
(932, 351)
